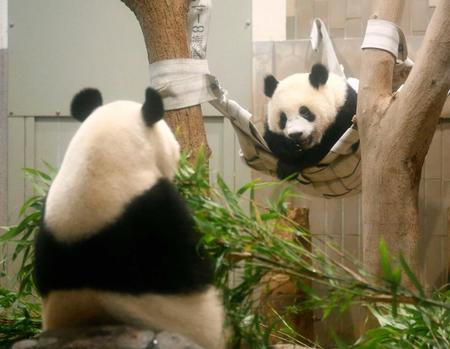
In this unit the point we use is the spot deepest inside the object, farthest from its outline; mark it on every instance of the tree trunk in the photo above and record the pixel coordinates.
(164, 25)
(396, 132)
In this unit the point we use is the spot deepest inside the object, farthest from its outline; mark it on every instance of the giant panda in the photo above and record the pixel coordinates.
(117, 243)
(307, 114)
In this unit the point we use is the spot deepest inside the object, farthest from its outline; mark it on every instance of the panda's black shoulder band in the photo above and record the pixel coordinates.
(153, 108)
(85, 102)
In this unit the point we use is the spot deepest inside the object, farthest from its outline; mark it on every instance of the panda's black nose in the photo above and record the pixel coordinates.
(296, 135)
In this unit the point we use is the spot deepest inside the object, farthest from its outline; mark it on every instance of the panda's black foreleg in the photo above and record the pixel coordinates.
(285, 170)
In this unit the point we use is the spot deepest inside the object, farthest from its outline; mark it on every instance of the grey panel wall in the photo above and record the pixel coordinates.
(3, 136)
(3, 110)
(57, 47)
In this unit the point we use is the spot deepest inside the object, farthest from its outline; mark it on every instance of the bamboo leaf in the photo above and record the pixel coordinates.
(411, 276)
(9, 234)
(385, 261)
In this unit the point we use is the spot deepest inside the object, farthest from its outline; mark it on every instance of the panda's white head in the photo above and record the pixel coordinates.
(121, 150)
(303, 106)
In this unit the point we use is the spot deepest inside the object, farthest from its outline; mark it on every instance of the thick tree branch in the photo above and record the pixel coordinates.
(395, 133)
(425, 91)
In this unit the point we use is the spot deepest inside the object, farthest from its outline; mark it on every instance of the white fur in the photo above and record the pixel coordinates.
(112, 158)
(197, 316)
(296, 91)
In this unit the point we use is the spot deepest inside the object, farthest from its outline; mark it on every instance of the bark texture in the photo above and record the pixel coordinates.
(164, 25)
(396, 132)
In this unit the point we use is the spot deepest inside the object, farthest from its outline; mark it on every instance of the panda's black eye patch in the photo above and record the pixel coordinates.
(282, 121)
(306, 113)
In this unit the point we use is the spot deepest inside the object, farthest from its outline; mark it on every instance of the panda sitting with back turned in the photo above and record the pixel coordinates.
(117, 243)
(307, 114)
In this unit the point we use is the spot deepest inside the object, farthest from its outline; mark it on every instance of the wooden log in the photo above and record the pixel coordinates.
(281, 291)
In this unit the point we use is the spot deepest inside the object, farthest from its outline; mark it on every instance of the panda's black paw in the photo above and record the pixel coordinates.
(285, 170)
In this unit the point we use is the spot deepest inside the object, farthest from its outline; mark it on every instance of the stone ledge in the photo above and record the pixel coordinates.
(107, 337)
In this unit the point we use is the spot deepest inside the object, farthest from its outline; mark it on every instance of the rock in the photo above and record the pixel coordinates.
(107, 337)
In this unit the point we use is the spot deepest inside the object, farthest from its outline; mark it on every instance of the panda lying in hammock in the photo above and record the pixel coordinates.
(307, 114)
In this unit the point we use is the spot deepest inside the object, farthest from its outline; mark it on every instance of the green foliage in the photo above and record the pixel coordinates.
(20, 312)
(240, 238)
(21, 235)
(19, 318)
(244, 242)
(413, 326)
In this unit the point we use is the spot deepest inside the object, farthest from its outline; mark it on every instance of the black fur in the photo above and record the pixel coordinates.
(293, 159)
(153, 108)
(283, 120)
(306, 113)
(151, 248)
(318, 75)
(270, 84)
(84, 103)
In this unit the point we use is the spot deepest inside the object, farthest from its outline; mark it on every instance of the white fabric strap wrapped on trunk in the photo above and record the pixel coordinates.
(182, 82)
(387, 36)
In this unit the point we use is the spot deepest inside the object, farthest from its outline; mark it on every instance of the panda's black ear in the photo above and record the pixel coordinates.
(318, 75)
(153, 108)
(84, 103)
(270, 84)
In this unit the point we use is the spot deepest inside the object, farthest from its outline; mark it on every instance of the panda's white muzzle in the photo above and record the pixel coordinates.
(299, 130)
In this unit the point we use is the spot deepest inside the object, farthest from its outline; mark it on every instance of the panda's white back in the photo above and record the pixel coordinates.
(112, 158)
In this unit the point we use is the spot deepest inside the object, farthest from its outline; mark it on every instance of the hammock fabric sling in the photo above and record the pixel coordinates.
(186, 82)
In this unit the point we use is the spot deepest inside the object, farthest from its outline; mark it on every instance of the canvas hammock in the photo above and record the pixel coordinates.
(186, 82)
